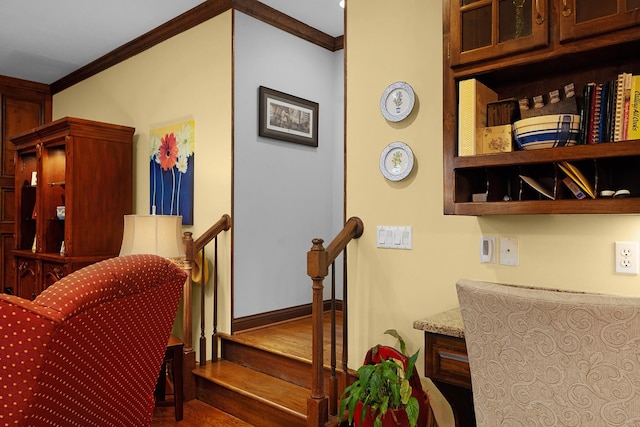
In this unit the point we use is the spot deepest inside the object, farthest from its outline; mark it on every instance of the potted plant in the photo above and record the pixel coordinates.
(388, 391)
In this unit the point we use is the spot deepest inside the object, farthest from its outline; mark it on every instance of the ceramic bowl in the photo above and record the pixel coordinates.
(556, 130)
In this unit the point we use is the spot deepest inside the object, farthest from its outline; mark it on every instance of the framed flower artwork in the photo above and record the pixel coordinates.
(172, 158)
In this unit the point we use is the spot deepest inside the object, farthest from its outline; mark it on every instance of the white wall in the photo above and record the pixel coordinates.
(285, 194)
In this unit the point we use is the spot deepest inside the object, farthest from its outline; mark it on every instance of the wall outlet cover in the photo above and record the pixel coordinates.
(509, 251)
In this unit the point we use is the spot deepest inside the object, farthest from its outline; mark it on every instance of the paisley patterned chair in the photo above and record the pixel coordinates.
(541, 357)
(87, 351)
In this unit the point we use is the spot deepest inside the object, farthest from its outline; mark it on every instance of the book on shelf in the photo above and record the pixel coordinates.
(503, 112)
(585, 113)
(472, 114)
(571, 185)
(578, 177)
(618, 115)
(633, 126)
(625, 106)
(604, 112)
(495, 139)
(594, 115)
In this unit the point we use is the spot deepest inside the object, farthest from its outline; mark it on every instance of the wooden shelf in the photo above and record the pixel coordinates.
(552, 155)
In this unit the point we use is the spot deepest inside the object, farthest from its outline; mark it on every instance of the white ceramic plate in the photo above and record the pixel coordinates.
(396, 161)
(539, 188)
(397, 101)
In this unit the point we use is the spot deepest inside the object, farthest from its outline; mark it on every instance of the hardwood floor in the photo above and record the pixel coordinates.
(196, 414)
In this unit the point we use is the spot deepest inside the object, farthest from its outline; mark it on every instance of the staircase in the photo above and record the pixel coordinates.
(264, 375)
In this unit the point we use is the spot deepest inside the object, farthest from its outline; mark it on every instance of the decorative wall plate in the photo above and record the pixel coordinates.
(396, 161)
(397, 101)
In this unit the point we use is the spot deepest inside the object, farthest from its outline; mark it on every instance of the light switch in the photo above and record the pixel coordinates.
(395, 237)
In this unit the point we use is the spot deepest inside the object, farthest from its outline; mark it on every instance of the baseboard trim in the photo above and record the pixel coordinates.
(276, 316)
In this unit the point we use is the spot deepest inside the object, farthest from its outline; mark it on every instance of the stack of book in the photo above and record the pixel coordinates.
(610, 111)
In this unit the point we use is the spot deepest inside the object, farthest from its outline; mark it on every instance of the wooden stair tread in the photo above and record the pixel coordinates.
(249, 340)
(269, 390)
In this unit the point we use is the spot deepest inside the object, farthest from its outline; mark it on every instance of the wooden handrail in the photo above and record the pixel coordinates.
(223, 224)
(353, 229)
(318, 261)
(191, 248)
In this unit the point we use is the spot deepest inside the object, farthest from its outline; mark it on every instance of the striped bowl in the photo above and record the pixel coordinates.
(555, 130)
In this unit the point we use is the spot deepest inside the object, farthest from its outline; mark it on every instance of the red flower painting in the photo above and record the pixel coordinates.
(171, 170)
(168, 151)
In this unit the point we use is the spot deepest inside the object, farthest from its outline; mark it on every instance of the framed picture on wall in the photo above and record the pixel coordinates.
(287, 117)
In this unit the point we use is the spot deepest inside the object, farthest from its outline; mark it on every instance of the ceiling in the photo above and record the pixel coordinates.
(45, 40)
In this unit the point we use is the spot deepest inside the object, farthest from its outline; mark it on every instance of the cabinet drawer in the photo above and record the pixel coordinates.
(446, 360)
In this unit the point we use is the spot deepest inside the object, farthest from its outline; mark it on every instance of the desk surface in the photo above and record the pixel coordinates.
(447, 323)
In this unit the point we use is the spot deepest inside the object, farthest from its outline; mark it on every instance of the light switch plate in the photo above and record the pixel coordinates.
(395, 237)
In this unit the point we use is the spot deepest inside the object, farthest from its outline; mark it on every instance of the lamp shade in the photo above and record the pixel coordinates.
(153, 234)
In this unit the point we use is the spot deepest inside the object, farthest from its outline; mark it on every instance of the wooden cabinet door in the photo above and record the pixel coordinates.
(584, 18)
(27, 278)
(52, 272)
(483, 29)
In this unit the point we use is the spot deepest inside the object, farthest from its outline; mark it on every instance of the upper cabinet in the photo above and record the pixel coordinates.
(522, 49)
(584, 18)
(482, 29)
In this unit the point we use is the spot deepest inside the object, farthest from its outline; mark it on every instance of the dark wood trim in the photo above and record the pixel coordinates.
(187, 20)
(284, 22)
(271, 317)
(13, 85)
(190, 19)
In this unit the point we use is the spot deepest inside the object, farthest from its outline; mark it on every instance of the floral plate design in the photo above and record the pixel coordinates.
(397, 101)
(396, 161)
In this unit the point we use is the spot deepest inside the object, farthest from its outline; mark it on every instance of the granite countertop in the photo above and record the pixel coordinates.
(446, 323)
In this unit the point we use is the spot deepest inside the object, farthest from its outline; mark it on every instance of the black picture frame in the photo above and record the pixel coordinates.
(287, 117)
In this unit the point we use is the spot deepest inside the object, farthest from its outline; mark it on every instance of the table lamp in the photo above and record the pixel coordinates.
(153, 234)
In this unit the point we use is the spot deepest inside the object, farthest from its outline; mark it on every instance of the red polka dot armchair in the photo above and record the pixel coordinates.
(87, 351)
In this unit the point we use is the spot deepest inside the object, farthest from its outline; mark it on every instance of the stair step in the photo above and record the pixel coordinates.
(272, 362)
(252, 396)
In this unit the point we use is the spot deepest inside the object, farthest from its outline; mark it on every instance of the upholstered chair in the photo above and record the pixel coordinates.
(542, 357)
(87, 351)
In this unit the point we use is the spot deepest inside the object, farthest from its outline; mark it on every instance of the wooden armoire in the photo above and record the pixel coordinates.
(23, 105)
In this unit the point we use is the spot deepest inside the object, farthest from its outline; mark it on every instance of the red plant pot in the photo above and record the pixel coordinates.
(393, 418)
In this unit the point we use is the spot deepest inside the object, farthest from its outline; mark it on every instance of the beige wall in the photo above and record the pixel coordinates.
(386, 42)
(186, 77)
(391, 41)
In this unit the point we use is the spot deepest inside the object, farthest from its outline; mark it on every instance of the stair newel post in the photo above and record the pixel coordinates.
(317, 269)
(187, 337)
(189, 355)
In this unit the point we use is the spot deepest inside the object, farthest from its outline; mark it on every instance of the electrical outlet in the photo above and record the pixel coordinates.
(627, 257)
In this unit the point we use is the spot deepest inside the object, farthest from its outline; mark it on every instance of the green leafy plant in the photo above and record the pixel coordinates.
(382, 386)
